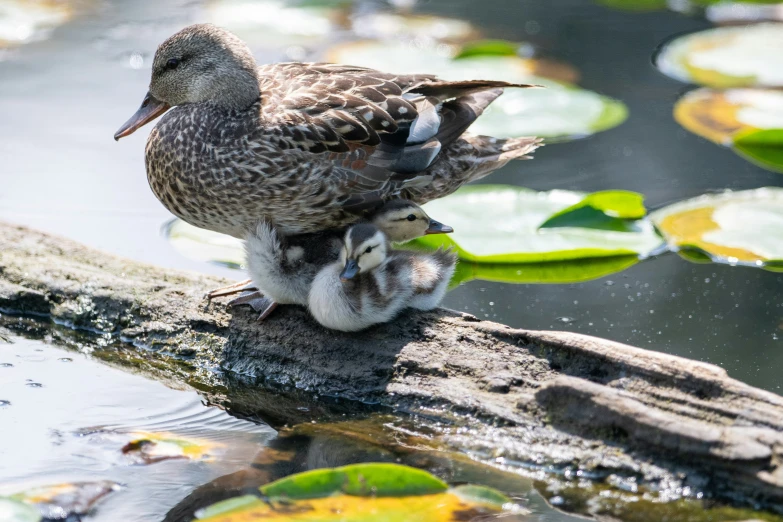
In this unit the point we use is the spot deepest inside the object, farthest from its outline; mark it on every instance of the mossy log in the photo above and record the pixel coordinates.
(552, 399)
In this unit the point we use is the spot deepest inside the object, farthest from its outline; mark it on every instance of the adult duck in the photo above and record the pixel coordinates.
(305, 146)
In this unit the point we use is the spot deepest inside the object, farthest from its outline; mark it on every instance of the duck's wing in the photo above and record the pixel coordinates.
(378, 130)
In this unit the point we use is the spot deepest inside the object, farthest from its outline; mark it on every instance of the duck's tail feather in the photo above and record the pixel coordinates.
(468, 159)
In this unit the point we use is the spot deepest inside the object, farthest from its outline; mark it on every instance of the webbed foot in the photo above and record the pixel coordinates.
(257, 301)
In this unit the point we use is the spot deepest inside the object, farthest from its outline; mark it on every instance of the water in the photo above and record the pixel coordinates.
(63, 97)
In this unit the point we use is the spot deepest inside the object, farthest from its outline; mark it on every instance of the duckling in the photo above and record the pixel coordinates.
(370, 284)
(283, 268)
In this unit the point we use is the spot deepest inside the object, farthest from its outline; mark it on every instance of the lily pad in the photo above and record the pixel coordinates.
(406, 26)
(62, 501)
(205, 245)
(562, 272)
(14, 511)
(725, 57)
(720, 115)
(559, 111)
(503, 224)
(23, 21)
(149, 448)
(278, 23)
(380, 492)
(762, 147)
(744, 227)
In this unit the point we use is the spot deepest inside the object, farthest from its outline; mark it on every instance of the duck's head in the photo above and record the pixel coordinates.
(402, 220)
(200, 63)
(365, 247)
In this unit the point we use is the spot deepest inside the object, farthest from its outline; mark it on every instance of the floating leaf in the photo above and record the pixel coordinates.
(23, 21)
(65, 500)
(635, 5)
(14, 511)
(205, 245)
(724, 57)
(277, 23)
(719, 115)
(502, 224)
(399, 26)
(603, 210)
(559, 111)
(743, 227)
(380, 492)
(148, 448)
(571, 271)
(763, 147)
(488, 48)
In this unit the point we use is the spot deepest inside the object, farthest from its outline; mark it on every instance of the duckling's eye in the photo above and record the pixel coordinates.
(411, 217)
(369, 249)
(172, 64)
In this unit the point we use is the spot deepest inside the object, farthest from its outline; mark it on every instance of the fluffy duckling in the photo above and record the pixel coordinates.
(370, 284)
(283, 268)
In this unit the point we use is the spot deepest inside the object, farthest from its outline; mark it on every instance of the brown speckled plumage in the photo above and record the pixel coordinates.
(319, 145)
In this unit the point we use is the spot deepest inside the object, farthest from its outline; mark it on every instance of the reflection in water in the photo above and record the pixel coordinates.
(74, 426)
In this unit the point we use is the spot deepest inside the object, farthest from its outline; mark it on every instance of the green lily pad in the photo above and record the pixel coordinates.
(762, 147)
(15, 511)
(559, 111)
(503, 224)
(635, 5)
(725, 57)
(488, 48)
(551, 272)
(738, 228)
(378, 492)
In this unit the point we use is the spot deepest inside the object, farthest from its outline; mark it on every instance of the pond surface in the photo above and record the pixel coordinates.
(64, 96)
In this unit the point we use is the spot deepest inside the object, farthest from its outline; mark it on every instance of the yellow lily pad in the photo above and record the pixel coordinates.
(725, 57)
(559, 111)
(720, 115)
(744, 227)
(378, 492)
(57, 501)
(149, 448)
(22, 21)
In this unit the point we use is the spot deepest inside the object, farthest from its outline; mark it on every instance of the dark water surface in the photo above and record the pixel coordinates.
(62, 98)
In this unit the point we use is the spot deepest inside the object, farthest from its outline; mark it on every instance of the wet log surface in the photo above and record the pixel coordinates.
(552, 400)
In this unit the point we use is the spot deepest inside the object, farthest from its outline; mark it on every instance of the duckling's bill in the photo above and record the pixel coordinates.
(150, 109)
(350, 270)
(436, 227)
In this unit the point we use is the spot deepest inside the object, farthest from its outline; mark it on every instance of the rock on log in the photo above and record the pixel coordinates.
(546, 398)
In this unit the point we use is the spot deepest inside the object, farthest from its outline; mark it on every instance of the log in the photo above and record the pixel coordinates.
(555, 400)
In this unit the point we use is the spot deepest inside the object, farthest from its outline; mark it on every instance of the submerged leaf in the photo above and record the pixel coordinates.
(378, 492)
(744, 227)
(763, 147)
(62, 501)
(502, 224)
(724, 57)
(149, 448)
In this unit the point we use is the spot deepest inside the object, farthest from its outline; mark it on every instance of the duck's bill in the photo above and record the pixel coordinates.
(350, 270)
(150, 109)
(437, 227)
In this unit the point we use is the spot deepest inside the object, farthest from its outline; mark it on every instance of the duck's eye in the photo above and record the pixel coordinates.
(172, 64)
(411, 217)
(369, 249)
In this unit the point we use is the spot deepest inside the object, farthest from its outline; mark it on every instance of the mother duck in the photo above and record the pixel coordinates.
(306, 146)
